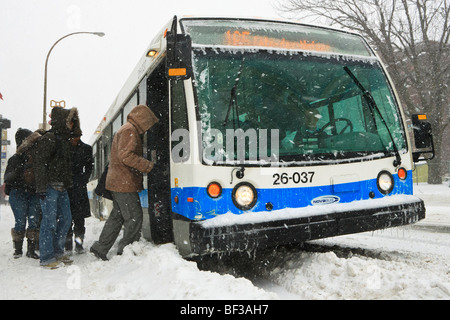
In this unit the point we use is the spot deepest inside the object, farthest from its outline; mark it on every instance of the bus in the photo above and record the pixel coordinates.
(271, 132)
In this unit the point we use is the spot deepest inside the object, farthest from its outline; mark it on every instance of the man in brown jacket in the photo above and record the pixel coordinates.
(124, 180)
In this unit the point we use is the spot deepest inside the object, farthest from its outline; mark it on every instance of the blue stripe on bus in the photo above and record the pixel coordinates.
(203, 207)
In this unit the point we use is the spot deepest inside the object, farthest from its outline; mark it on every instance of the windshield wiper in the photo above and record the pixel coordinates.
(233, 98)
(373, 106)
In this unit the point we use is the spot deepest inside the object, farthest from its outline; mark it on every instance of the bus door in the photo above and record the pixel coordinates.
(158, 140)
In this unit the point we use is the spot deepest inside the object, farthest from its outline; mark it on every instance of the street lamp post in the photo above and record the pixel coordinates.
(44, 114)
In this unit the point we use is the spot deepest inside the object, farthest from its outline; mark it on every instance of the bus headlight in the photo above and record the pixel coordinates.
(385, 182)
(244, 196)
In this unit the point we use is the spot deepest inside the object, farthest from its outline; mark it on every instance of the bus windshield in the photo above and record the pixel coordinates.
(309, 106)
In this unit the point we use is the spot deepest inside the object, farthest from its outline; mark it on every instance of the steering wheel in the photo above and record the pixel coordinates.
(333, 122)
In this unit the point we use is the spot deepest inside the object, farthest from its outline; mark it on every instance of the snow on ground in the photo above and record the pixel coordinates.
(410, 262)
(144, 271)
(405, 263)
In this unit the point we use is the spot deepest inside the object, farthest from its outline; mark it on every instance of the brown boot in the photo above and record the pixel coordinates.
(17, 238)
(32, 239)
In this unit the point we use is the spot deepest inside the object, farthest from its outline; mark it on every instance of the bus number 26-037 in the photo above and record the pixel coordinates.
(296, 177)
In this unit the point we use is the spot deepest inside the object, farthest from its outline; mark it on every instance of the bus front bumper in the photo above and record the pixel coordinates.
(264, 230)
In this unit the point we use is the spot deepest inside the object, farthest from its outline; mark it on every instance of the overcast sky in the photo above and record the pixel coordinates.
(85, 70)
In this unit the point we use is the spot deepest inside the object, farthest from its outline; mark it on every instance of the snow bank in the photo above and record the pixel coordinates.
(326, 276)
(144, 271)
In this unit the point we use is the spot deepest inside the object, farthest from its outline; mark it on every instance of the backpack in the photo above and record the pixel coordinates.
(28, 172)
(101, 190)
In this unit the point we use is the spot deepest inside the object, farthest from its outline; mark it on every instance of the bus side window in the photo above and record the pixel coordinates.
(117, 123)
(179, 118)
(95, 162)
(129, 106)
(142, 92)
(107, 142)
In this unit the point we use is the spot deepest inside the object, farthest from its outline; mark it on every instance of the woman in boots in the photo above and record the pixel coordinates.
(79, 201)
(20, 186)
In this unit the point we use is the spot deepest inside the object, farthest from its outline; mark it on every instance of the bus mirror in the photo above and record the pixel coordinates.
(423, 138)
(178, 64)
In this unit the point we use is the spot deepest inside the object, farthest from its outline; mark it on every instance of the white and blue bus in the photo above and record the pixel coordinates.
(270, 133)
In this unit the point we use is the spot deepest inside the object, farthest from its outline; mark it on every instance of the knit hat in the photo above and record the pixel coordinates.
(21, 135)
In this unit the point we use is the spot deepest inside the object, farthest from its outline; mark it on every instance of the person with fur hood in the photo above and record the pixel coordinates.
(20, 186)
(53, 171)
(125, 181)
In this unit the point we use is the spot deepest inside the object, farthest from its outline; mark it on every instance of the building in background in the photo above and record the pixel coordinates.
(4, 125)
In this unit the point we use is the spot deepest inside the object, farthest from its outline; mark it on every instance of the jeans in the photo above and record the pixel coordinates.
(25, 205)
(56, 221)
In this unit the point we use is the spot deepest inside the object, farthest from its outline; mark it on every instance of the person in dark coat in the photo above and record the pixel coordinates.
(53, 172)
(20, 186)
(79, 201)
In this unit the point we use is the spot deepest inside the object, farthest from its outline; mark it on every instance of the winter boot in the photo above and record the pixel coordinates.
(17, 238)
(18, 245)
(32, 239)
(98, 255)
(53, 265)
(65, 259)
(31, 253)
(79, 244)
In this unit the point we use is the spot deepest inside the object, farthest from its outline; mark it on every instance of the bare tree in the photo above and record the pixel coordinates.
(412, 39)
